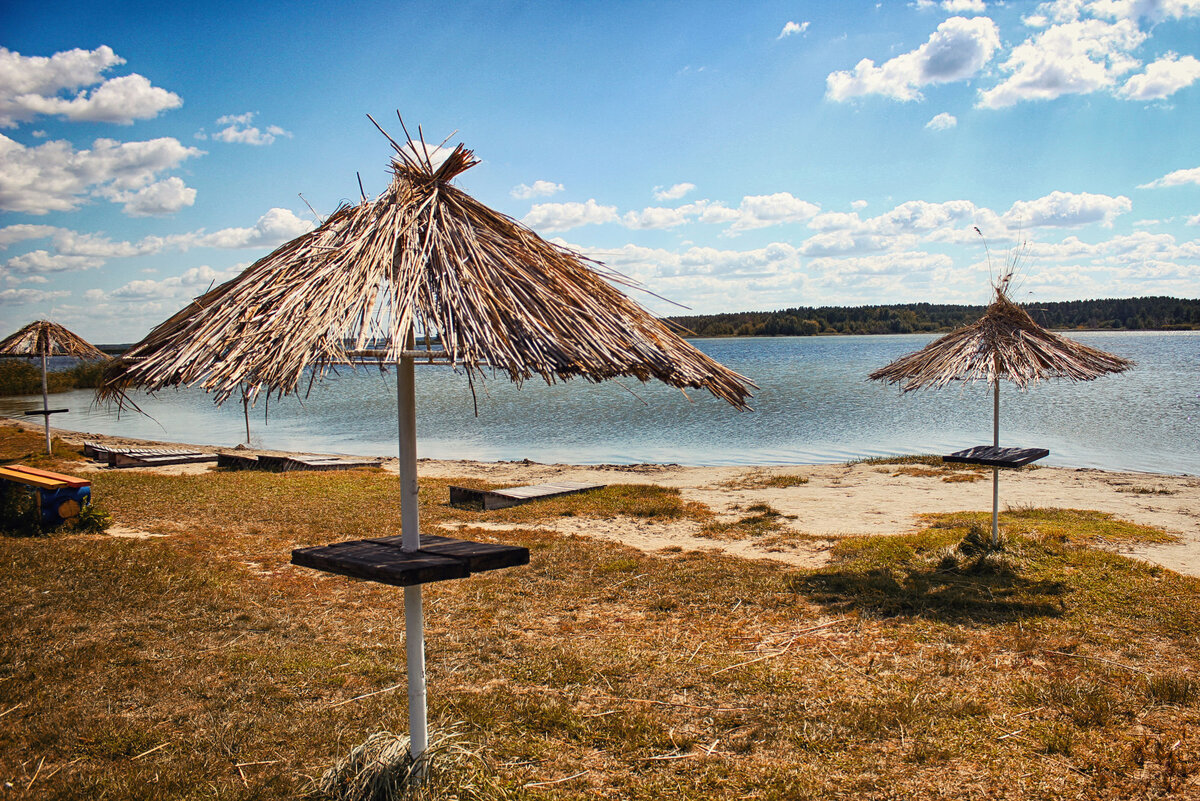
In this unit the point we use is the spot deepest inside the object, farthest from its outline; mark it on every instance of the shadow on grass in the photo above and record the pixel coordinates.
(988, 587)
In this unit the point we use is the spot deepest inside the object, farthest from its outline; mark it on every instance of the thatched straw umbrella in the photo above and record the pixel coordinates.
(42, 339)
(1004, 343)
(423, 257)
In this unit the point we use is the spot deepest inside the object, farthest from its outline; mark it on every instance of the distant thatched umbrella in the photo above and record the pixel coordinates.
(42, 339)
(1004, 343)
(424, 256)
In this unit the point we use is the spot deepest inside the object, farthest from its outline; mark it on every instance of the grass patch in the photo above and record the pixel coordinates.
(761, 479)
(759, 520)
(203, 665)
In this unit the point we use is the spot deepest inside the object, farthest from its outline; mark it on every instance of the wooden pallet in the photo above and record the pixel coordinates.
(383, 559)
(288, 464)
(513, 496)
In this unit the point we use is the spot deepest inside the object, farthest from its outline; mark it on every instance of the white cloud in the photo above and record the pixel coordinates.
(158, 199)
(1072, 58)
(55, 177)
(964, 6)
(1163, 78)
(1067, 210)
(272, 229)
(1176, 178)
(760, 211)
(942, 122)
(565, 216)
(957, 50)
(538, 189)
(655, 218)
(1194, 220)
(859, 204)
(13, 297)
(238, 130)
(192, 282)
(673, 192)
(1151, 10)
(31, 86)
(41, 261)
(792, 29)
(12, 234)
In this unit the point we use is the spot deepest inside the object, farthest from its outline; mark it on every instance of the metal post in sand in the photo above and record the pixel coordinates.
(46, 405)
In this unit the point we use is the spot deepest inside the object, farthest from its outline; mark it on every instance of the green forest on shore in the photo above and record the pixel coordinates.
(1130, 314)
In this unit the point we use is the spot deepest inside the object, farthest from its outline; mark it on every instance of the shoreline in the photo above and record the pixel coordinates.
(837, 501)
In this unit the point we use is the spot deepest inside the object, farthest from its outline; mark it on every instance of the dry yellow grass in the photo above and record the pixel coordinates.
(202, 665)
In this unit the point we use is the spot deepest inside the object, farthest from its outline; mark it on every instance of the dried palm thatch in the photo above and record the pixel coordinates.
(44, 338)
(1004, 343)
(422, 256)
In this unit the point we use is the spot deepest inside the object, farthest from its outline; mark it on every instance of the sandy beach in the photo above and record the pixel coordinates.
(837, 501)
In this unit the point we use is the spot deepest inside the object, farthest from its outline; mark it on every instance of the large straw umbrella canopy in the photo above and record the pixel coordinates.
(1005, 343)
(42, 339)
(424, 257)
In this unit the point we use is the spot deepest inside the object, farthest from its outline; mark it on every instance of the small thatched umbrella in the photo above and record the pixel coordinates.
(422, 257)
(44, 339)
(1004, 343)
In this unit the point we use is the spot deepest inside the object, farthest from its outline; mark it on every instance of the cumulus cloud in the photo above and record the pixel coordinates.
(1071, 58)
(1163, 78)
(33, 85)
(54, 176)
(942, 122)
(14, 297)
(656, 218)
(565, 216)
(537, 189)
(191, 283)
(959, 48)
(760, 211)
(792, 29)
(238, 130)
(964, 6)
(12, 234)
(272, 229)
(673, 192)
(1176, 178)
(1067, 210)
(40, 262)
(1150, 10)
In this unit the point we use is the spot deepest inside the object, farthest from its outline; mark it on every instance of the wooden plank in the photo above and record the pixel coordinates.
(237, 461)
(17, 476)
(384, 560)
(994, 456)
(70, 481)
(159, 459)
(44, 412)
(512, 496)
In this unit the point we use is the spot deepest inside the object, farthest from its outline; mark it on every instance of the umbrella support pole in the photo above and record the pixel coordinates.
(414, 616)
(996, 470)
(46, 406)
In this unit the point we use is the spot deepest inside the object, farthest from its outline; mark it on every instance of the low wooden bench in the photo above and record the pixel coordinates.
(512, 496)
(60, 497)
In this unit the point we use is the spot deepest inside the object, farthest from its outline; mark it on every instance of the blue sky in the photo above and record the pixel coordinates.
(730, 156)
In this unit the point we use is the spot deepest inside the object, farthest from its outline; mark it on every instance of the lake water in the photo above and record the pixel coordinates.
(813, 405)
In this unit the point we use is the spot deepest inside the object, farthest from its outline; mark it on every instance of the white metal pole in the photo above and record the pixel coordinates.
(414, 615)
(46, 405)
(996, 470)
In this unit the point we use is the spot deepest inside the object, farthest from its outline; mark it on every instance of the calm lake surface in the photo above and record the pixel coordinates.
(813, 405)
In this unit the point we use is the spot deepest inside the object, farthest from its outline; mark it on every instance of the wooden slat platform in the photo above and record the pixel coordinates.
(994, 456)
(512, 496)
(117, 456)
(157, 457)
(288, 464)
(384, 561)
(237, 461)
(42, 478)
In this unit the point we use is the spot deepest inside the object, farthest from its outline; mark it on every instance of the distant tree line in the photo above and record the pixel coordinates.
(1157, 313)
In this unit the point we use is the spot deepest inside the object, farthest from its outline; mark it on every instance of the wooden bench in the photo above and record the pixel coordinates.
(60, 497)
(512, 496)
